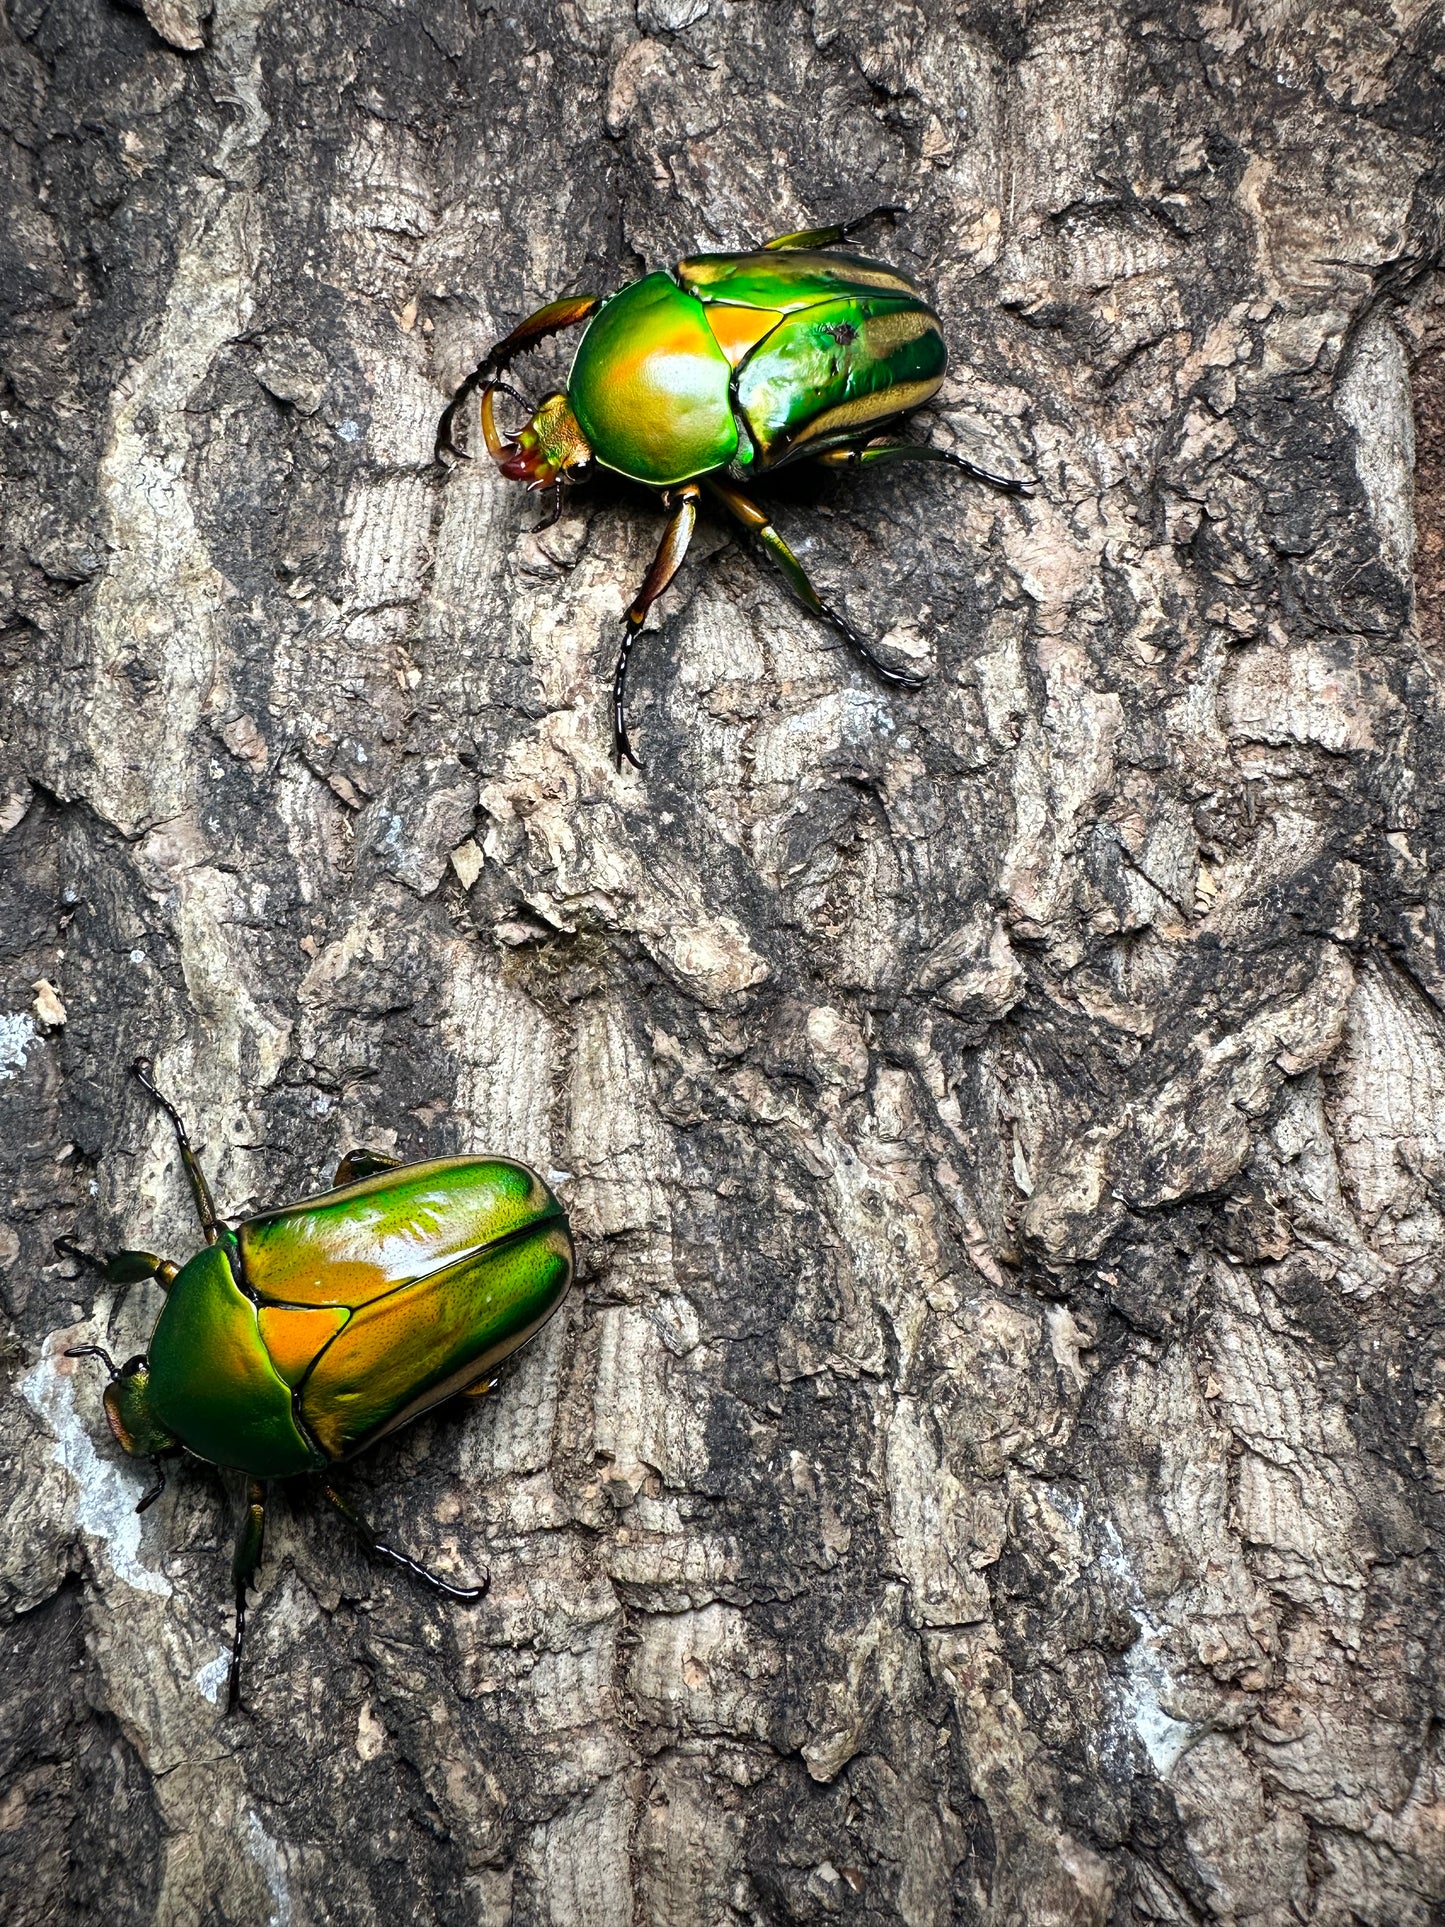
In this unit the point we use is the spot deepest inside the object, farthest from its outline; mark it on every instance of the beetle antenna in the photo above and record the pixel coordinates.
(94, 1351)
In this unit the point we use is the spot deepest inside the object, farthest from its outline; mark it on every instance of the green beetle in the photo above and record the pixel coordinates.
(298, 1337)
(719, 371)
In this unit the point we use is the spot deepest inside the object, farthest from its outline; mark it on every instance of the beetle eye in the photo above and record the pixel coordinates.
(579, 470)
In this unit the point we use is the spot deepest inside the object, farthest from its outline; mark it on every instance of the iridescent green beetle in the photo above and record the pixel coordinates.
(720, 371)
(300, 1336)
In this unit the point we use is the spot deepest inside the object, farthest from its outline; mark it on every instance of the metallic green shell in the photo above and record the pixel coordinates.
(833, 372)
(382, 1298)
(857, 344)
(315, 1328)
(846, 344)
(212, 1382)
(649, 386)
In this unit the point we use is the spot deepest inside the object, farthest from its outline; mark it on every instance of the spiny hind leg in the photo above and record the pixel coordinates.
(826, 237)
(752, 518)
(468, 1594)
(867, 454)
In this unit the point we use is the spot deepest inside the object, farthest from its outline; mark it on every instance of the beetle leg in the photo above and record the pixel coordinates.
(753, 518)
(362, 1164)
(200, 1190)
(94, 1351)
(249, 1541)
(554, 510)
(824, 237)
(469, 1594)
(123, 1268)
(132, 1267)
(920, 452)
(152, 1493)
(665, 565)
(546, 321)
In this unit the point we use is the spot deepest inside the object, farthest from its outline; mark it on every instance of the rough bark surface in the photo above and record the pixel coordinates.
(992, 1468)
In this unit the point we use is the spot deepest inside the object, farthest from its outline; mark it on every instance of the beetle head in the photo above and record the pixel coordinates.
(128, 1407)
(550, 447)
(127, 1403)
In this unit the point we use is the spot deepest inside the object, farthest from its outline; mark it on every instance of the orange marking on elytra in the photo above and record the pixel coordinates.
(293, 1336)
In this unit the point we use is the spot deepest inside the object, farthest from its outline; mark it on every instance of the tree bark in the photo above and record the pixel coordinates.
(991, 1468)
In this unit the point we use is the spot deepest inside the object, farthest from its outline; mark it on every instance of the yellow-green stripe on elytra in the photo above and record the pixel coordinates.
(863, 412)
(853, 362)
(793, 279)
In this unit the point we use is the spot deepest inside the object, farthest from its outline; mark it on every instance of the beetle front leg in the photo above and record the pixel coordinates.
(665, 566)
(468, 1594)
(200, 1190)
(546, 321)
(152, 1493)
(920, 452)
(753, 518)
(554, 510)
(123, 1268)
(249, 1541)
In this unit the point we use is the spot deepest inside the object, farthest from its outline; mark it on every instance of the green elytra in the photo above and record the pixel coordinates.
(301, 1335)
(718, 372)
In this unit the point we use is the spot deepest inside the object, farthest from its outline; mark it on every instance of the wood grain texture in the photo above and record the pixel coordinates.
(992, 1469)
